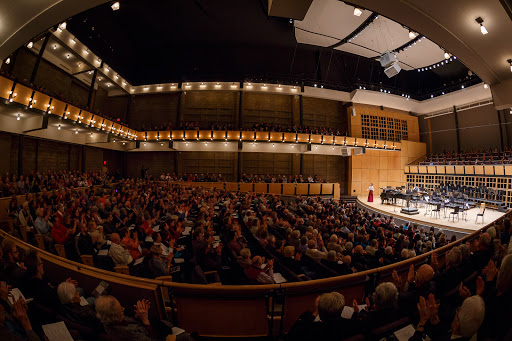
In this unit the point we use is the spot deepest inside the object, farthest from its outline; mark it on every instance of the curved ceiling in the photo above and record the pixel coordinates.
(452, 25)
(155, 41)
(25, 19)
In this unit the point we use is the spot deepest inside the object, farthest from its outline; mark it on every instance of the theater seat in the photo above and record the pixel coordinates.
(40, 241)
(61, 250)
(122, 269)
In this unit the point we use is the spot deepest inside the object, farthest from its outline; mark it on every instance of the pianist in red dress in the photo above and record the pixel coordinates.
(370, 193)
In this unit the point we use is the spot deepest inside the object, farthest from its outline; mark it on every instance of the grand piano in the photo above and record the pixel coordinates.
(390, 196)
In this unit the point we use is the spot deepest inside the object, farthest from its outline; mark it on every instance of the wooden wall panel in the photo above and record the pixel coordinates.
(209, 162)
(266, 108)
(209, 107)
(319, 113)
(267, 163)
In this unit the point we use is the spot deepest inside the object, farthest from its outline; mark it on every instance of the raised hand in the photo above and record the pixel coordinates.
(397, 279)
(142, 311)
(423, 311)
(411, 274)
(464, 292)
(490, 271)
(480, 286)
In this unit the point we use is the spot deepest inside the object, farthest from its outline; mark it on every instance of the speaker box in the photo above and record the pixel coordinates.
(345, 151)
(359, 151)
(392, 70)
(387, 58)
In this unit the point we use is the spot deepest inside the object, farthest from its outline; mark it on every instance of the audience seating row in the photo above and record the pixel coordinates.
(229, 311)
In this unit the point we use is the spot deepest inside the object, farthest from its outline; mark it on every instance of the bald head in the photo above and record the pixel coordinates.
(115, 238)
(424, 275)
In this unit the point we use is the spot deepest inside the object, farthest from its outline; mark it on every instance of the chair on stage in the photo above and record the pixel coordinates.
(481, 214)
(455, 211)
(436, 211)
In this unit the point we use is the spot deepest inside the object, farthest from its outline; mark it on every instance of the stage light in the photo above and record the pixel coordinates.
(482, 27)
(63, 25)
(115, 6)
(8, 61)
(412, 34)
(30, 45)
(357, 12)
(446, 55)
(486, 86)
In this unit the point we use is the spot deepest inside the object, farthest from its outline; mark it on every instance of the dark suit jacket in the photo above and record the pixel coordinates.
(306, 329)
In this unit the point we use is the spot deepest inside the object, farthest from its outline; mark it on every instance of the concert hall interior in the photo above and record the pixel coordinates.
(255, 170)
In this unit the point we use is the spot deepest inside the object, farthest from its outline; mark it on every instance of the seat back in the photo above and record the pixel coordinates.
(40, 241)
(61, 251)
(87, 260)
(482, 208)
(23, 231)
(122, 269)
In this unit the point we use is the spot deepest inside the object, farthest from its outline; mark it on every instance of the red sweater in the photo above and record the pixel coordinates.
(60, 233)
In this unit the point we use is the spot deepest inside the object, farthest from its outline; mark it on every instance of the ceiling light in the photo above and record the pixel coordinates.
(412, 34)
(446, 55)
(486, 86)
(482, 27)
(30, 45)
(8, 61)
(63, 25)
(357, 12)
(115, 6)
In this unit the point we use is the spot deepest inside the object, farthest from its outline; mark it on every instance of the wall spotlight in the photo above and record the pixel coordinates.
(18, 118)
(76, 131)
(510, 62)
(446, 55)
(482, 27)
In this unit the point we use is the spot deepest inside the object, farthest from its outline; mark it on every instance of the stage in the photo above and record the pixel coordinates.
(460, 226)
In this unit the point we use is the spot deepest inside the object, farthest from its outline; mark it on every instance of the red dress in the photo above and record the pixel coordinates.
(370, 195)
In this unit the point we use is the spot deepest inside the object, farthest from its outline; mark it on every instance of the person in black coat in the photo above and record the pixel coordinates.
(330, 324)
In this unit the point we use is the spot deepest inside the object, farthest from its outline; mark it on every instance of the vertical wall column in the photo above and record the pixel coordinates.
(39, 57)
(91, 89)
(502, 143)
(238, 110)
(21, 141)
(455, 116)
(296, 110)
(179, 114)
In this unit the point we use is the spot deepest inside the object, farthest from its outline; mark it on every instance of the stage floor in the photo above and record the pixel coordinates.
(461, 225)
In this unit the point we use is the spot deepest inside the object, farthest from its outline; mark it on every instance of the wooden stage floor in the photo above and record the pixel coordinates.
(460, 226)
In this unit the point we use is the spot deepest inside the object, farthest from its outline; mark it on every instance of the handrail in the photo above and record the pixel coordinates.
(416, 160)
